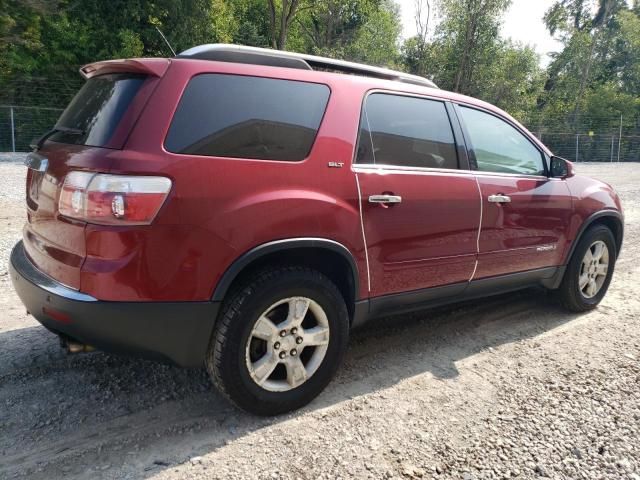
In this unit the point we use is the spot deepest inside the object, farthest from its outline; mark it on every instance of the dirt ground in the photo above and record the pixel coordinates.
(506, 387)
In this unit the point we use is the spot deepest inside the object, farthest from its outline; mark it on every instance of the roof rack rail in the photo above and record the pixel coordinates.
(223, 52)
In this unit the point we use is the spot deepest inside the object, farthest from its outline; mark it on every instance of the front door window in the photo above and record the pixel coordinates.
(499, 147)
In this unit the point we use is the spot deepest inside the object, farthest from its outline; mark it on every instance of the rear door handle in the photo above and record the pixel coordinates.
(385, 199)
(499, 198)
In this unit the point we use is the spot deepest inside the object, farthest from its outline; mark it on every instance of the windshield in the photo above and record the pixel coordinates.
(94, 113)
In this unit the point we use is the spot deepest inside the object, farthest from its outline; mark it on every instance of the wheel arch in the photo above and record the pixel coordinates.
(327, 256)
(610, 218)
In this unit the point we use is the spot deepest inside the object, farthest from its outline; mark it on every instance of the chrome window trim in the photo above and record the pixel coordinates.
(426, 96)
(509, 175)
(368, 167)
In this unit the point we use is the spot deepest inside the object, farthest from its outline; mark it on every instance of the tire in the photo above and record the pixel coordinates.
(242, 339)
(570, 294)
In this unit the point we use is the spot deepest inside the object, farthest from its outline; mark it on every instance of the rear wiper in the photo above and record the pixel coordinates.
(71, 131)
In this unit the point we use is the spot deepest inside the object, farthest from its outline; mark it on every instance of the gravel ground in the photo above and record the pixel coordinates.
(12, 157)
(506, 387)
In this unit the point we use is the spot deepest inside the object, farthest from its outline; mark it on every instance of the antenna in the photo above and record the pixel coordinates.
(165, 40)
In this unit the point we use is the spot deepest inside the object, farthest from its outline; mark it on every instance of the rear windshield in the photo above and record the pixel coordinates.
(96, 110)
(247, 117)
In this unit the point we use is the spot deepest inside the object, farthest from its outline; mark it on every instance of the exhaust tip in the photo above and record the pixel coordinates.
(72, 346)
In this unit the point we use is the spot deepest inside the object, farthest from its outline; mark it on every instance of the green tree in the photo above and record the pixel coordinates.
(466, 41)
(42, 43)
(357, 30)
(624, 62)
(595, 74)
(588, 29)
(467, 55)
(514, 79)
(332, 24)
(281, 16)
(415, 49)
(253, 25)
(376, 41)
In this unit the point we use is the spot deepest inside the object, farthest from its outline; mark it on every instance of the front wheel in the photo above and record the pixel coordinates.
(279, 340)
(589, 272)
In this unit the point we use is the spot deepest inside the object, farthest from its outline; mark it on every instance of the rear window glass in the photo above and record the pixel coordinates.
(97, 109)
(247, 117)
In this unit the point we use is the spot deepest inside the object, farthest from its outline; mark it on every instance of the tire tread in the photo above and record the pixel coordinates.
(231, 311)
(568, 294)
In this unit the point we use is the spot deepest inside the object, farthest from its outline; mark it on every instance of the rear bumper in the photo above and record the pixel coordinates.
(174, 331)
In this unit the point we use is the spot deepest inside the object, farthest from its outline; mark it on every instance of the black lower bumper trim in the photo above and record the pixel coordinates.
(174, 331)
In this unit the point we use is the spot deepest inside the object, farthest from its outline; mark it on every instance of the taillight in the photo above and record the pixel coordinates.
(113, 199)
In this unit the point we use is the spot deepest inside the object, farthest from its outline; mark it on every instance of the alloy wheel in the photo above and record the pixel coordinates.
(287, 344)
(593, 270)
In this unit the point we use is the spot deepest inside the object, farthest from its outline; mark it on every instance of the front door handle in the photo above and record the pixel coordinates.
(499, 198)
(385, 199)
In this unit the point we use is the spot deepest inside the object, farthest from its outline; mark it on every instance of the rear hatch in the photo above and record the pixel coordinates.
(97, 121)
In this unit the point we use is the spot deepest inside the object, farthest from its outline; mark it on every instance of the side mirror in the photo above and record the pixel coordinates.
(561, 168)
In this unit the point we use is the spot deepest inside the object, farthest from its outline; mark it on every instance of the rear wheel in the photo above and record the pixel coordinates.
(279, 340)
(589, 272)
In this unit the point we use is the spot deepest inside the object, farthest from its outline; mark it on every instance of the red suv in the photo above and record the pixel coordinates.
(244, 209)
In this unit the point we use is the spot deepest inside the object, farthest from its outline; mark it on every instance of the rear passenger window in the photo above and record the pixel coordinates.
(247, 117)
(406, 131)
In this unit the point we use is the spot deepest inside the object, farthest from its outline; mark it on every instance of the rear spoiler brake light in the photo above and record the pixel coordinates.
(148, 66)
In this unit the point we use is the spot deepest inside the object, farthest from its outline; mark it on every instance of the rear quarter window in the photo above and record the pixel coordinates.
(247, 117)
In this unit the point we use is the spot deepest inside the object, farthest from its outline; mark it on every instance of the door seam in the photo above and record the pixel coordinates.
(364, 236)
(475, 268)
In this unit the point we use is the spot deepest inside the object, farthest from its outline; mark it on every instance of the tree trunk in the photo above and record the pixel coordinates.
(272, 23)
(282, 36)
(280, 29)
(467, 48)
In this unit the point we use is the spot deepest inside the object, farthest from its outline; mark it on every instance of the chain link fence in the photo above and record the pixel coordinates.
(585, 147)
(21, 125)
(589, 139)
(31, 104)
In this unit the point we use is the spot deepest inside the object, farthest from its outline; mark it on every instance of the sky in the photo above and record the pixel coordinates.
(523, 22)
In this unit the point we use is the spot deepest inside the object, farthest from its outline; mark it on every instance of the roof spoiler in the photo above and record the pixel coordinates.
(148, 66)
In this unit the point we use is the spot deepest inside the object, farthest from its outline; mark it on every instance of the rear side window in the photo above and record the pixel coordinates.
(247, 117)
(96, 110)
(406, 131)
